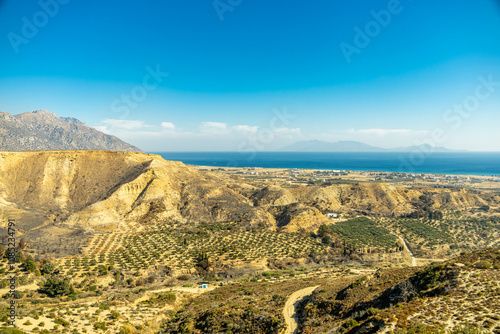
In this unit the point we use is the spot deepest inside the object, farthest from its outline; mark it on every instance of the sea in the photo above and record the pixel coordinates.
(466, 163)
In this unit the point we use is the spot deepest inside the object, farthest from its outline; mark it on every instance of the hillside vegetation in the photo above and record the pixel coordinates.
(448, 296)
(123, 242)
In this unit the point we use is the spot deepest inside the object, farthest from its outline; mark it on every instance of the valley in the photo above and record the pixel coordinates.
(123, 242)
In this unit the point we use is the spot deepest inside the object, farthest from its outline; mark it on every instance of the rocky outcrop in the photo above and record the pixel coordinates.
(44, 130)
(298, 217)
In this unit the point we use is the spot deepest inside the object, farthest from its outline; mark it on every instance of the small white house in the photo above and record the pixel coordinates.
(332, 215)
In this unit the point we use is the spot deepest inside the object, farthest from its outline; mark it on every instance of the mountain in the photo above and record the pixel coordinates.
(323, 146)
(354, 146)
(44, 130)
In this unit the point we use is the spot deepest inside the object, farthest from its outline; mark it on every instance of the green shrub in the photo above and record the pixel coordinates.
(48, 268)
(420, 329)
(29, 264)
(126, 329)
(351, 323)
(278, 298)
(271, 274)
(100, 325)
(10, 330)
(102, 270)
(468, 329)
(62, 322)
(55, 287)
(168, 297)
(483, 264)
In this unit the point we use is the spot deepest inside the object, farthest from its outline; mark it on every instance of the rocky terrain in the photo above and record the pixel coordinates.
(121, 242)
(456, 296)
(44, 130)
(67, 194)
(448, 297)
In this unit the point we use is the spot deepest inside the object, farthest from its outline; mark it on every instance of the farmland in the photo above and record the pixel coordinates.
(178, 245)
(159, 246)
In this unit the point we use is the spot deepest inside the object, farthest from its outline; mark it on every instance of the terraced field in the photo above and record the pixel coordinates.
(139, 249)
(454, 233)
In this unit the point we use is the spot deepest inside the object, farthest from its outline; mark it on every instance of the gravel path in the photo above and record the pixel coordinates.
(290, 305)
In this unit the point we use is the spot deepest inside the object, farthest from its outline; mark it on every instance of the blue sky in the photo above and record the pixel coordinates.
(259, 74)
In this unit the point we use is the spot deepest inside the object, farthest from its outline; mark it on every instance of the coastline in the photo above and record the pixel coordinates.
(474, 164)
(305, 177)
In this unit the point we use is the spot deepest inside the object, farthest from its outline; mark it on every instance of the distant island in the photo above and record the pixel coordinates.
(354, 146)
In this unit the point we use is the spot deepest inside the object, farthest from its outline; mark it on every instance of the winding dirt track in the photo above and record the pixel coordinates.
(289, 310)
(407, 249)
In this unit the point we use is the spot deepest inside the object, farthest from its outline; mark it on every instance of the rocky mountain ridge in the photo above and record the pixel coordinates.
(44, 130)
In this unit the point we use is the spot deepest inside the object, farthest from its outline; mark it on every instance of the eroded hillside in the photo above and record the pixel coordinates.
(61, 194)
(55, 193)
(440, 298)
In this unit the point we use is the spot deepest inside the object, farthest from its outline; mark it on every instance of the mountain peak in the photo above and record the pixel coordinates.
(44, 112)
(44, 130)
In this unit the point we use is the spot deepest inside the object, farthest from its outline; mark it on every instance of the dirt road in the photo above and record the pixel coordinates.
(290, 308)
(413, 259)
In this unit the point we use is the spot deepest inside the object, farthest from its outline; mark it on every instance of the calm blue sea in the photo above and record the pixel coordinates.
(446, 163)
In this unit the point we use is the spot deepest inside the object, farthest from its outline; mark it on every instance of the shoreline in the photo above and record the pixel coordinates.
(474, 164)
(484, 175)
(293, 176)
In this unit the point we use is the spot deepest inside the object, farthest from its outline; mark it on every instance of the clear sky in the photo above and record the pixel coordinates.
(228, 74)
